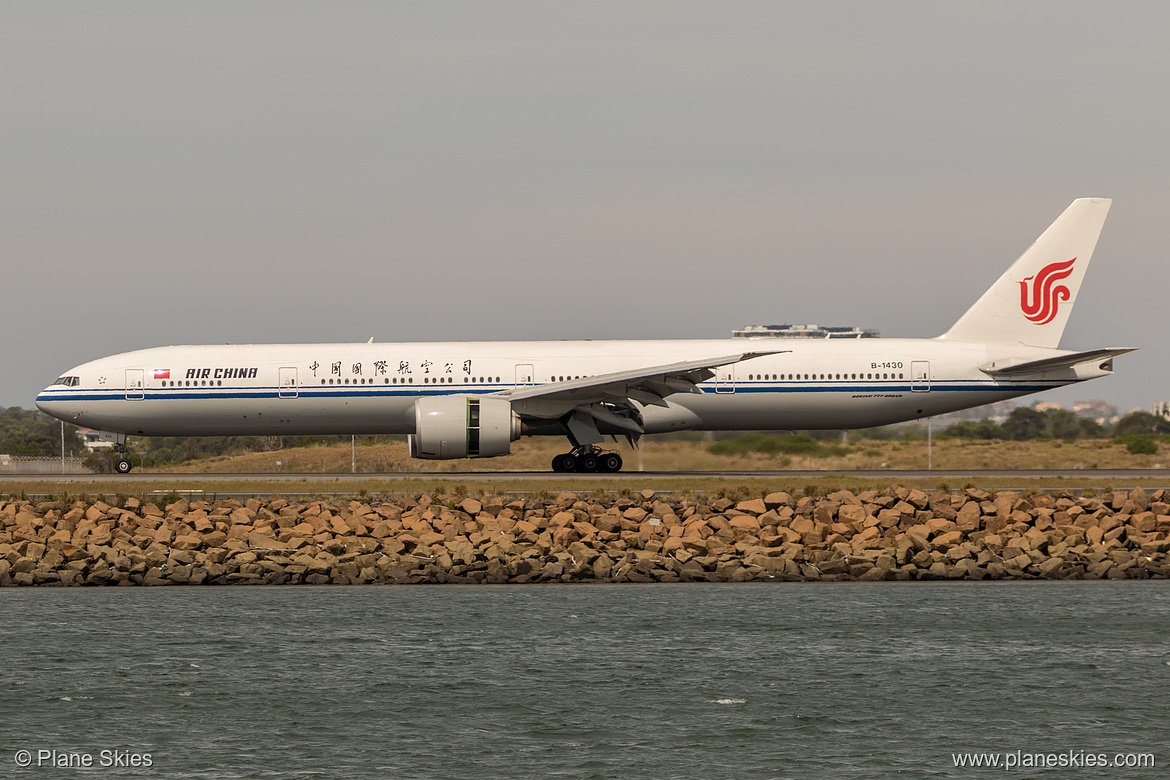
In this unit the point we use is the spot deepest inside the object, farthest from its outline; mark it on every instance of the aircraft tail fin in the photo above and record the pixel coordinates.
(1031, 302)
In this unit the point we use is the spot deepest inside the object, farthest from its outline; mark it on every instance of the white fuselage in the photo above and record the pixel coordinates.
(296, 389)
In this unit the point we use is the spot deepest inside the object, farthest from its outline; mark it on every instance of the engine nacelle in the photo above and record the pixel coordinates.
(462, 426)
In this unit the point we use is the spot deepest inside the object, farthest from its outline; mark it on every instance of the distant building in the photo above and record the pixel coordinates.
(1161, 409)
(996, 412)
(1101, 412)
(809, 331)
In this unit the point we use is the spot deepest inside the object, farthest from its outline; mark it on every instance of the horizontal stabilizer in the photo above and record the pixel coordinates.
(1050, 364)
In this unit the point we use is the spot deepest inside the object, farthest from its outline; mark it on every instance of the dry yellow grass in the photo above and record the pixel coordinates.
(536, 454)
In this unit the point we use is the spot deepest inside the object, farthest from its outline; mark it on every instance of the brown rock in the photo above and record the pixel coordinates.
(851, 513)
(187, 542)
(968, 516)
(776, 500)
(755, 506)
(946, 540)
(1051, 568)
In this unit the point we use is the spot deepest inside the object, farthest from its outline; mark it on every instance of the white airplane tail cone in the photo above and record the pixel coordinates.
(1031, 302)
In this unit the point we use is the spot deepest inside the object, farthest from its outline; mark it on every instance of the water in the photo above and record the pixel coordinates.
(655, 681)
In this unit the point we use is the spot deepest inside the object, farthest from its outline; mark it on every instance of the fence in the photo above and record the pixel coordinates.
(40, 464)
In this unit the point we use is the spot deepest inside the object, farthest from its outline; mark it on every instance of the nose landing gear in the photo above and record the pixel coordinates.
(587, 460)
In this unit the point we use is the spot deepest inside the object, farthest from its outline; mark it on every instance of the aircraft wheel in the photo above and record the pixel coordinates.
(564, 462)
(588, 462)
(122, 466)
(611, 462)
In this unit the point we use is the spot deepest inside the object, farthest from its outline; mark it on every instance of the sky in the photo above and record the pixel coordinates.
(323, 172)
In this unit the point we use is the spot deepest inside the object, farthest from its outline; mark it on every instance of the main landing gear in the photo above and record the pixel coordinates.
(587, 460)
(122, 465)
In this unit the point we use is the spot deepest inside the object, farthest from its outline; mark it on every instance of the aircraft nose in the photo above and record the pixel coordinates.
(45, 403)
(48, 403)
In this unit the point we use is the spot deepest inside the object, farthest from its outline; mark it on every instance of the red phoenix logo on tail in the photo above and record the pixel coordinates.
(1041, 304)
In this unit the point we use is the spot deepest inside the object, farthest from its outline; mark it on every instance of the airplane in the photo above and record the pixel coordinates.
(473, 399)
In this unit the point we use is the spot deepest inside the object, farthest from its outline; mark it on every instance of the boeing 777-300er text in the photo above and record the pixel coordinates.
(473, 399)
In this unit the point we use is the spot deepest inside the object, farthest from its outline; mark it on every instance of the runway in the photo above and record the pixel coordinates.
(956, 477)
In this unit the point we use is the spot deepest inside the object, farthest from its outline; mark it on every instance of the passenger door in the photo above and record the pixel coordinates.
(287, 387)
(135, 384)
(920, 376)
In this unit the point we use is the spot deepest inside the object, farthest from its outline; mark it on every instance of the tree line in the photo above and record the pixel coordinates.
(27, 432)
(1025, 424)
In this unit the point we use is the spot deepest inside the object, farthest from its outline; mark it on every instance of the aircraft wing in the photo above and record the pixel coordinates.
(649, 385)
(1052, 363)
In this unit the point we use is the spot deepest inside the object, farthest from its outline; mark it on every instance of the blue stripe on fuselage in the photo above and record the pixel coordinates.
(424, 390)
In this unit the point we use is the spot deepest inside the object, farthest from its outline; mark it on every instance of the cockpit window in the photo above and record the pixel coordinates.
(69, 381)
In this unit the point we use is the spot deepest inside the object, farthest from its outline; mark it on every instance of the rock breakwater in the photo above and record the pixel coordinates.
(894, 534)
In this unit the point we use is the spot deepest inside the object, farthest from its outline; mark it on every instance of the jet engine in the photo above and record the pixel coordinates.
(462, 426)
